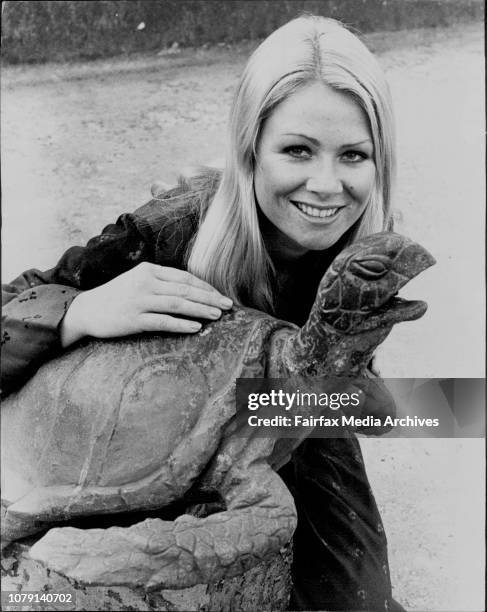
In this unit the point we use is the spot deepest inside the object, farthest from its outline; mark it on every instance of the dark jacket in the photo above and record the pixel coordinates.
(35, 302)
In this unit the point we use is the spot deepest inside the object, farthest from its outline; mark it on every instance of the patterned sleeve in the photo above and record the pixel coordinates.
(35, 302)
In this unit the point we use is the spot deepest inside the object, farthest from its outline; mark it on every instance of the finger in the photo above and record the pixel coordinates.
(180, 306)
(181, 276)
(152, 322)
(192, 293)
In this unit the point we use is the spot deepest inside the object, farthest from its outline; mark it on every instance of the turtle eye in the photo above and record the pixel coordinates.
(369, 268)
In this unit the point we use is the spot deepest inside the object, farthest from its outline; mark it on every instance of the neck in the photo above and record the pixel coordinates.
(280, 247)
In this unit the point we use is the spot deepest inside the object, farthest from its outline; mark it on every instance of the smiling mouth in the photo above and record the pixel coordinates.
(313, 211)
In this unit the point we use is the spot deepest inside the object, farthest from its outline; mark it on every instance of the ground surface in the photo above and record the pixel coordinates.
(81, 144)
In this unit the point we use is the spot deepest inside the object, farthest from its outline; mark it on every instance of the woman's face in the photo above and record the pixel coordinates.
(315, 168)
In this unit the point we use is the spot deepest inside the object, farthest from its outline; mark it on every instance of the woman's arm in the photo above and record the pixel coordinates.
(34, 304)
(103, 290)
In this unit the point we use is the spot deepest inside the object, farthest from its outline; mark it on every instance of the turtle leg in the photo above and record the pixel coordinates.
(260, 519)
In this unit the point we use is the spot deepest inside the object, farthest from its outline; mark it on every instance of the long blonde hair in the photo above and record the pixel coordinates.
(228, 250)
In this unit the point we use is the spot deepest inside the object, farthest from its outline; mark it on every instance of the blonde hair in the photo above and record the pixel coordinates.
(228, 250)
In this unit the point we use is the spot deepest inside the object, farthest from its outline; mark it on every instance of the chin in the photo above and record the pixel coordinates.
(320, 244)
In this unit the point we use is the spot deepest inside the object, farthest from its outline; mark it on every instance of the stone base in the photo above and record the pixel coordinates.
(266, 587)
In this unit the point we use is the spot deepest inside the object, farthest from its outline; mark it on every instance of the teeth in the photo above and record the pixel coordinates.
(316, 212)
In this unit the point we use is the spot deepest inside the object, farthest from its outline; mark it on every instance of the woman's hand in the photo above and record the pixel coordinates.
(143, 300)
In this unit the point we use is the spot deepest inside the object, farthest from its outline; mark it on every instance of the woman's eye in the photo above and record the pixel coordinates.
(298, 151)
(354, 156)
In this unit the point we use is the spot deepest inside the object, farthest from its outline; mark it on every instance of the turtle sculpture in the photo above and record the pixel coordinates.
(112, 427)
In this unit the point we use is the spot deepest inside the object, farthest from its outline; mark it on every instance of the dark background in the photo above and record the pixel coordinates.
(44, 31)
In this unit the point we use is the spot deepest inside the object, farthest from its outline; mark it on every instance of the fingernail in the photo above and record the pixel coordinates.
(215, 313)
(195, 326)
(226, 302)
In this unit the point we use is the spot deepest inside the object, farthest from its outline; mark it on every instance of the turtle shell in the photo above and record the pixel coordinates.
(128, 424)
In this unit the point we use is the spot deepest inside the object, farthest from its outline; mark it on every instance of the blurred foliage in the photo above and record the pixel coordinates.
(40, 31)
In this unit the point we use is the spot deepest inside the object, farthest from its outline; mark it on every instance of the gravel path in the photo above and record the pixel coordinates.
(82, 143)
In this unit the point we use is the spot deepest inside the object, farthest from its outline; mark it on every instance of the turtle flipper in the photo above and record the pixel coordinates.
(181, 553)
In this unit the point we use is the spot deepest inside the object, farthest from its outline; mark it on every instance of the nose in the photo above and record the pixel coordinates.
(324, 179)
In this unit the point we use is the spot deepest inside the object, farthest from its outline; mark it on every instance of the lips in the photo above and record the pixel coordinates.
(319, 212)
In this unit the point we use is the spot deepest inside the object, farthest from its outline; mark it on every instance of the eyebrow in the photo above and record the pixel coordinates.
(317, 142)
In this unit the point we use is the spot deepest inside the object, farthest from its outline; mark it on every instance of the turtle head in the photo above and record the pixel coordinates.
(359, 291)
(356, 307)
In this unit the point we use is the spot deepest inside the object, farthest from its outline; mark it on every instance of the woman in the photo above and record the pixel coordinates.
(309, 169)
